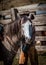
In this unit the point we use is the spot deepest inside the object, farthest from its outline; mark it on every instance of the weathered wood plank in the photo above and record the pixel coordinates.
(39, 22)
(12, 14)
(29, 8)
(22, 8)
(6, 12)
(40, 12)
(5, 21)
(40, 48)
(40, 33)
(40, 38)
(40, 28)
(7, 16)
(42, 7)
(40, 17)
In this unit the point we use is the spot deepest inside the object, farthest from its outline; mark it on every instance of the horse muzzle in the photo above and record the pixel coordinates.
(28, 40)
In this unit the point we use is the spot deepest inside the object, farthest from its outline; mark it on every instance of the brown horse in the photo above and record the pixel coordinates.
(27, 40)
(11, 43)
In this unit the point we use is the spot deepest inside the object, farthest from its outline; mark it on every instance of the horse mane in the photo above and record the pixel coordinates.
(12, 28)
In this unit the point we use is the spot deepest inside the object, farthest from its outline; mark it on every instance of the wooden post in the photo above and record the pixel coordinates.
(12, 14)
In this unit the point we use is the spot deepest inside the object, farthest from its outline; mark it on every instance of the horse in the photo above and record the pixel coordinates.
(11, 43)
(30, 50)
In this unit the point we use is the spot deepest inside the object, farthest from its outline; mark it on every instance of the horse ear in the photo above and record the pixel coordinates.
(31, 16)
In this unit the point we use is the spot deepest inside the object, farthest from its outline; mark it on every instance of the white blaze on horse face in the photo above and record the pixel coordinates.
(25, 28)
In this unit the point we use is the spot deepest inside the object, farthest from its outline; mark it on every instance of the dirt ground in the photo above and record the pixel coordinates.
(41, 60)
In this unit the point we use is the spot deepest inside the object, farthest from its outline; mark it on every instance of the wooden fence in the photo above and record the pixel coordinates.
(39, 21)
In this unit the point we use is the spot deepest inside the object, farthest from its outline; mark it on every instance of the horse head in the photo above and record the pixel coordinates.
(26, 26)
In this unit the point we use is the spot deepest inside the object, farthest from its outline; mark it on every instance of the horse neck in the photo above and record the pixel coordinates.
(9, 30)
